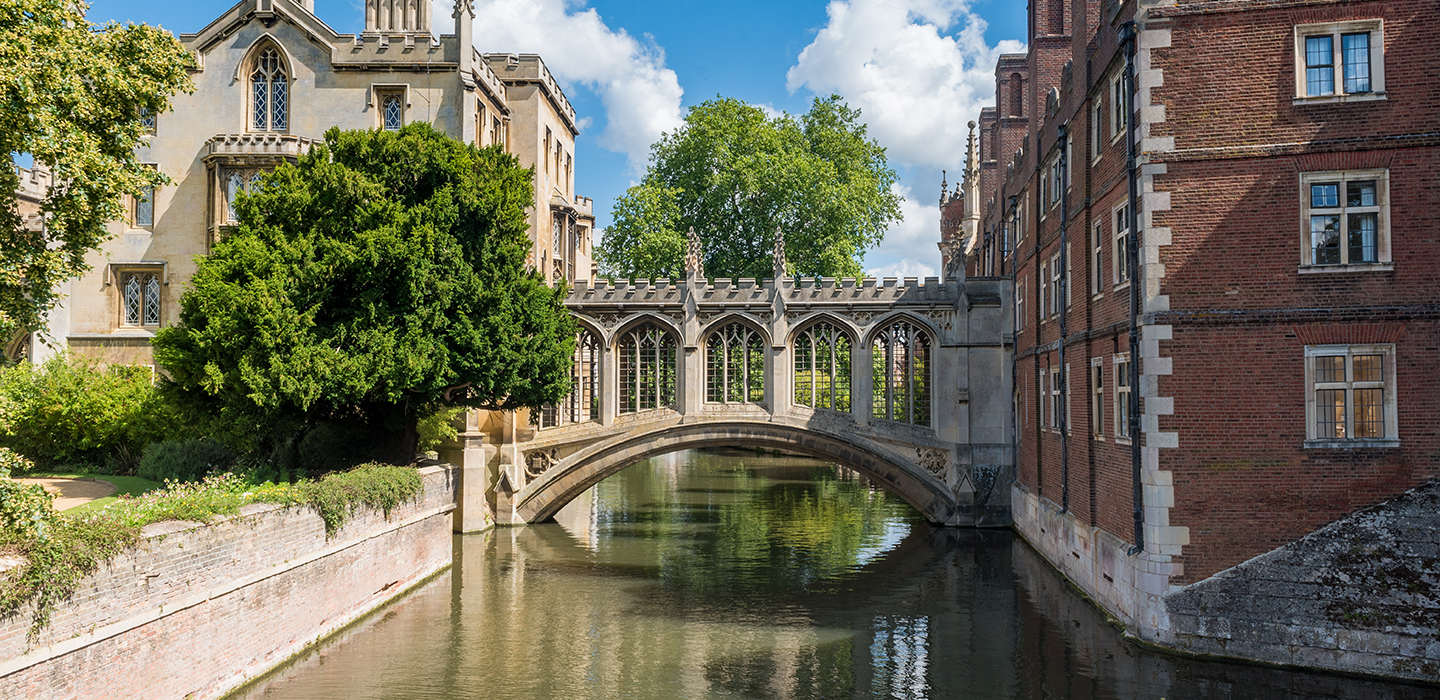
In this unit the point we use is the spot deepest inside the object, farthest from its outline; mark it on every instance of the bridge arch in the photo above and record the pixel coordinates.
(855, 331)
(884, 322)
(571, 476)
(720, 322)
(629, 323)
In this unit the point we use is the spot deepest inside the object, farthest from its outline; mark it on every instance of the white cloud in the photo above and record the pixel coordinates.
(916, 85)
(641, 96)
(910, 245)
(904, 268)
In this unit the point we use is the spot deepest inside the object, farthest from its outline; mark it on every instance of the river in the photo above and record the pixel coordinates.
(743, 575)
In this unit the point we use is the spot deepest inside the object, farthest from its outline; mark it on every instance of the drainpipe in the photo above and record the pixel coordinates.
(1063, 301)
(1127, 38)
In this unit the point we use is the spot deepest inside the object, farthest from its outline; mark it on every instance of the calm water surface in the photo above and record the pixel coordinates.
(710, 575)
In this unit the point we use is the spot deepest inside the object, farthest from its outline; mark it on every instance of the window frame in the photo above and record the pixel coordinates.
(1387, 384)
(1097, 127)
(1020, 304)
(823, 334)
(1121, 363)
(1054, 398)
(1383, 259)
(1336, 31)
(1120, 228)
(145, 273)
(252, 65)
(1119, 114)
(1097, 260)
(1097, 398)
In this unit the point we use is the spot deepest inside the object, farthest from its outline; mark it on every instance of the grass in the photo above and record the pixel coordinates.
(124, 486)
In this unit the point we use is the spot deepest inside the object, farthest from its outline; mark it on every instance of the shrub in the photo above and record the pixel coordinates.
(71, 411)
(77, 544)
(184, 460)
(438, 428)
(26, 511)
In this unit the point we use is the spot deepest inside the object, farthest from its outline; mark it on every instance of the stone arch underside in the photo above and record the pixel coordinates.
(541, 499)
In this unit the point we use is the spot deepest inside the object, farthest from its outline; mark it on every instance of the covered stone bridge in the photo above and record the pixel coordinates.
(902, 380)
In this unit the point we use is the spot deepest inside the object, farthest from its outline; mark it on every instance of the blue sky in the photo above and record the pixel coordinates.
(918, 70)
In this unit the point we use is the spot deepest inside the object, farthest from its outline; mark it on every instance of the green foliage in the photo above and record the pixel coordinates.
(735, 176)
(25, 509)
(72, 94)
(377, 486)
(380, 279)
(439, 428)
(77, 544)
(184, 460)
(71, 411)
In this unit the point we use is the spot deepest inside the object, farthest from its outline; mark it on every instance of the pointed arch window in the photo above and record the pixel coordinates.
(140, 297)
(583, 403)
(647, 368)
(900, 354)
(735, 365)
(270, 92)
(822, 367)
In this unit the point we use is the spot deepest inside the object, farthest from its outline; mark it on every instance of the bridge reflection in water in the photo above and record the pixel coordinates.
(701, 575)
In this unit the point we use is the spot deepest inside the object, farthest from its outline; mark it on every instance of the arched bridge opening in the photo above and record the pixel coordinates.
(540, 499)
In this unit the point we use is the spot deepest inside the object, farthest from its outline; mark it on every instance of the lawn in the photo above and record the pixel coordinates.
(124, 485)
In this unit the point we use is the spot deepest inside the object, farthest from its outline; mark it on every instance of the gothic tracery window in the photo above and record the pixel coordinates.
(900, 356)
(235, 182)
(822, 367)
(583, 402)
(270, 92)
(647, 368)
(735, 365)
(394, 112)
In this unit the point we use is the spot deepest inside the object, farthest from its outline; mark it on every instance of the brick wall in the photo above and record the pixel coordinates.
(197, 610)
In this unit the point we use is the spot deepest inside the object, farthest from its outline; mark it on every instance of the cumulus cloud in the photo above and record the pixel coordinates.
(910, 243)
(916, 81)
(641, 96)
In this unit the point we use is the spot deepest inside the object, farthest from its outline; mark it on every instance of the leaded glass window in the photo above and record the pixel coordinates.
(735, 365)
(394, 111)
(647, 368)
(145, 207)
(583, 402)
(270, 92)
(900, 356)
(1344, 221)
(822, 367)
(140, 297)
(1349, 389)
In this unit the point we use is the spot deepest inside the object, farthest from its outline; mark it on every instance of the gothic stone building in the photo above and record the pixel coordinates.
(270, 78)
(1221, 222)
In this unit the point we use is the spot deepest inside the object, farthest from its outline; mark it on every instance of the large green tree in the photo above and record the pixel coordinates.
(379, 280)
(71, 95)
(736, 175)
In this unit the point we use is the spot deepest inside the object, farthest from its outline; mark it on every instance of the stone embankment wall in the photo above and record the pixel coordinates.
(199, 609)
(1359, 595)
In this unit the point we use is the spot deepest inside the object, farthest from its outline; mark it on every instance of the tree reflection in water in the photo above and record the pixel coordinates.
(748, 576)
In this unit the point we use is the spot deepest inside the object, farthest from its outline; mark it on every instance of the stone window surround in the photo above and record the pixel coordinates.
(1382, 198)
(375, 99)
(1391, 414)
(1118, 120)
(1097, 260)
(115, 277)
(1376, 29)
(242, 75)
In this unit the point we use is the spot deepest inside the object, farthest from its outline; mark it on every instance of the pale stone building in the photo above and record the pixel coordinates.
(271, 77)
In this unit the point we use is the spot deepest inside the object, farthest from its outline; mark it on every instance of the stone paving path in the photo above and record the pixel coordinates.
(73, 492)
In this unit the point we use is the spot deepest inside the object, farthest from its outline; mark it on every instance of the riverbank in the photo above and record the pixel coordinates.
(199, 609)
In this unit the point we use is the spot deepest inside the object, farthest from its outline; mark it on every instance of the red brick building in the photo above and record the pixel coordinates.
(1223, 224)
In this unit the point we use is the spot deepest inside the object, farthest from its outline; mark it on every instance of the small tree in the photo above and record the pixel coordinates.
(379, 280)
(735, 176)
(72, 95)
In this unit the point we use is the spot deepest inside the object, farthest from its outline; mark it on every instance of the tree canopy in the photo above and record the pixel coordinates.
(72, 95)
(380, 279)
(736, 175)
